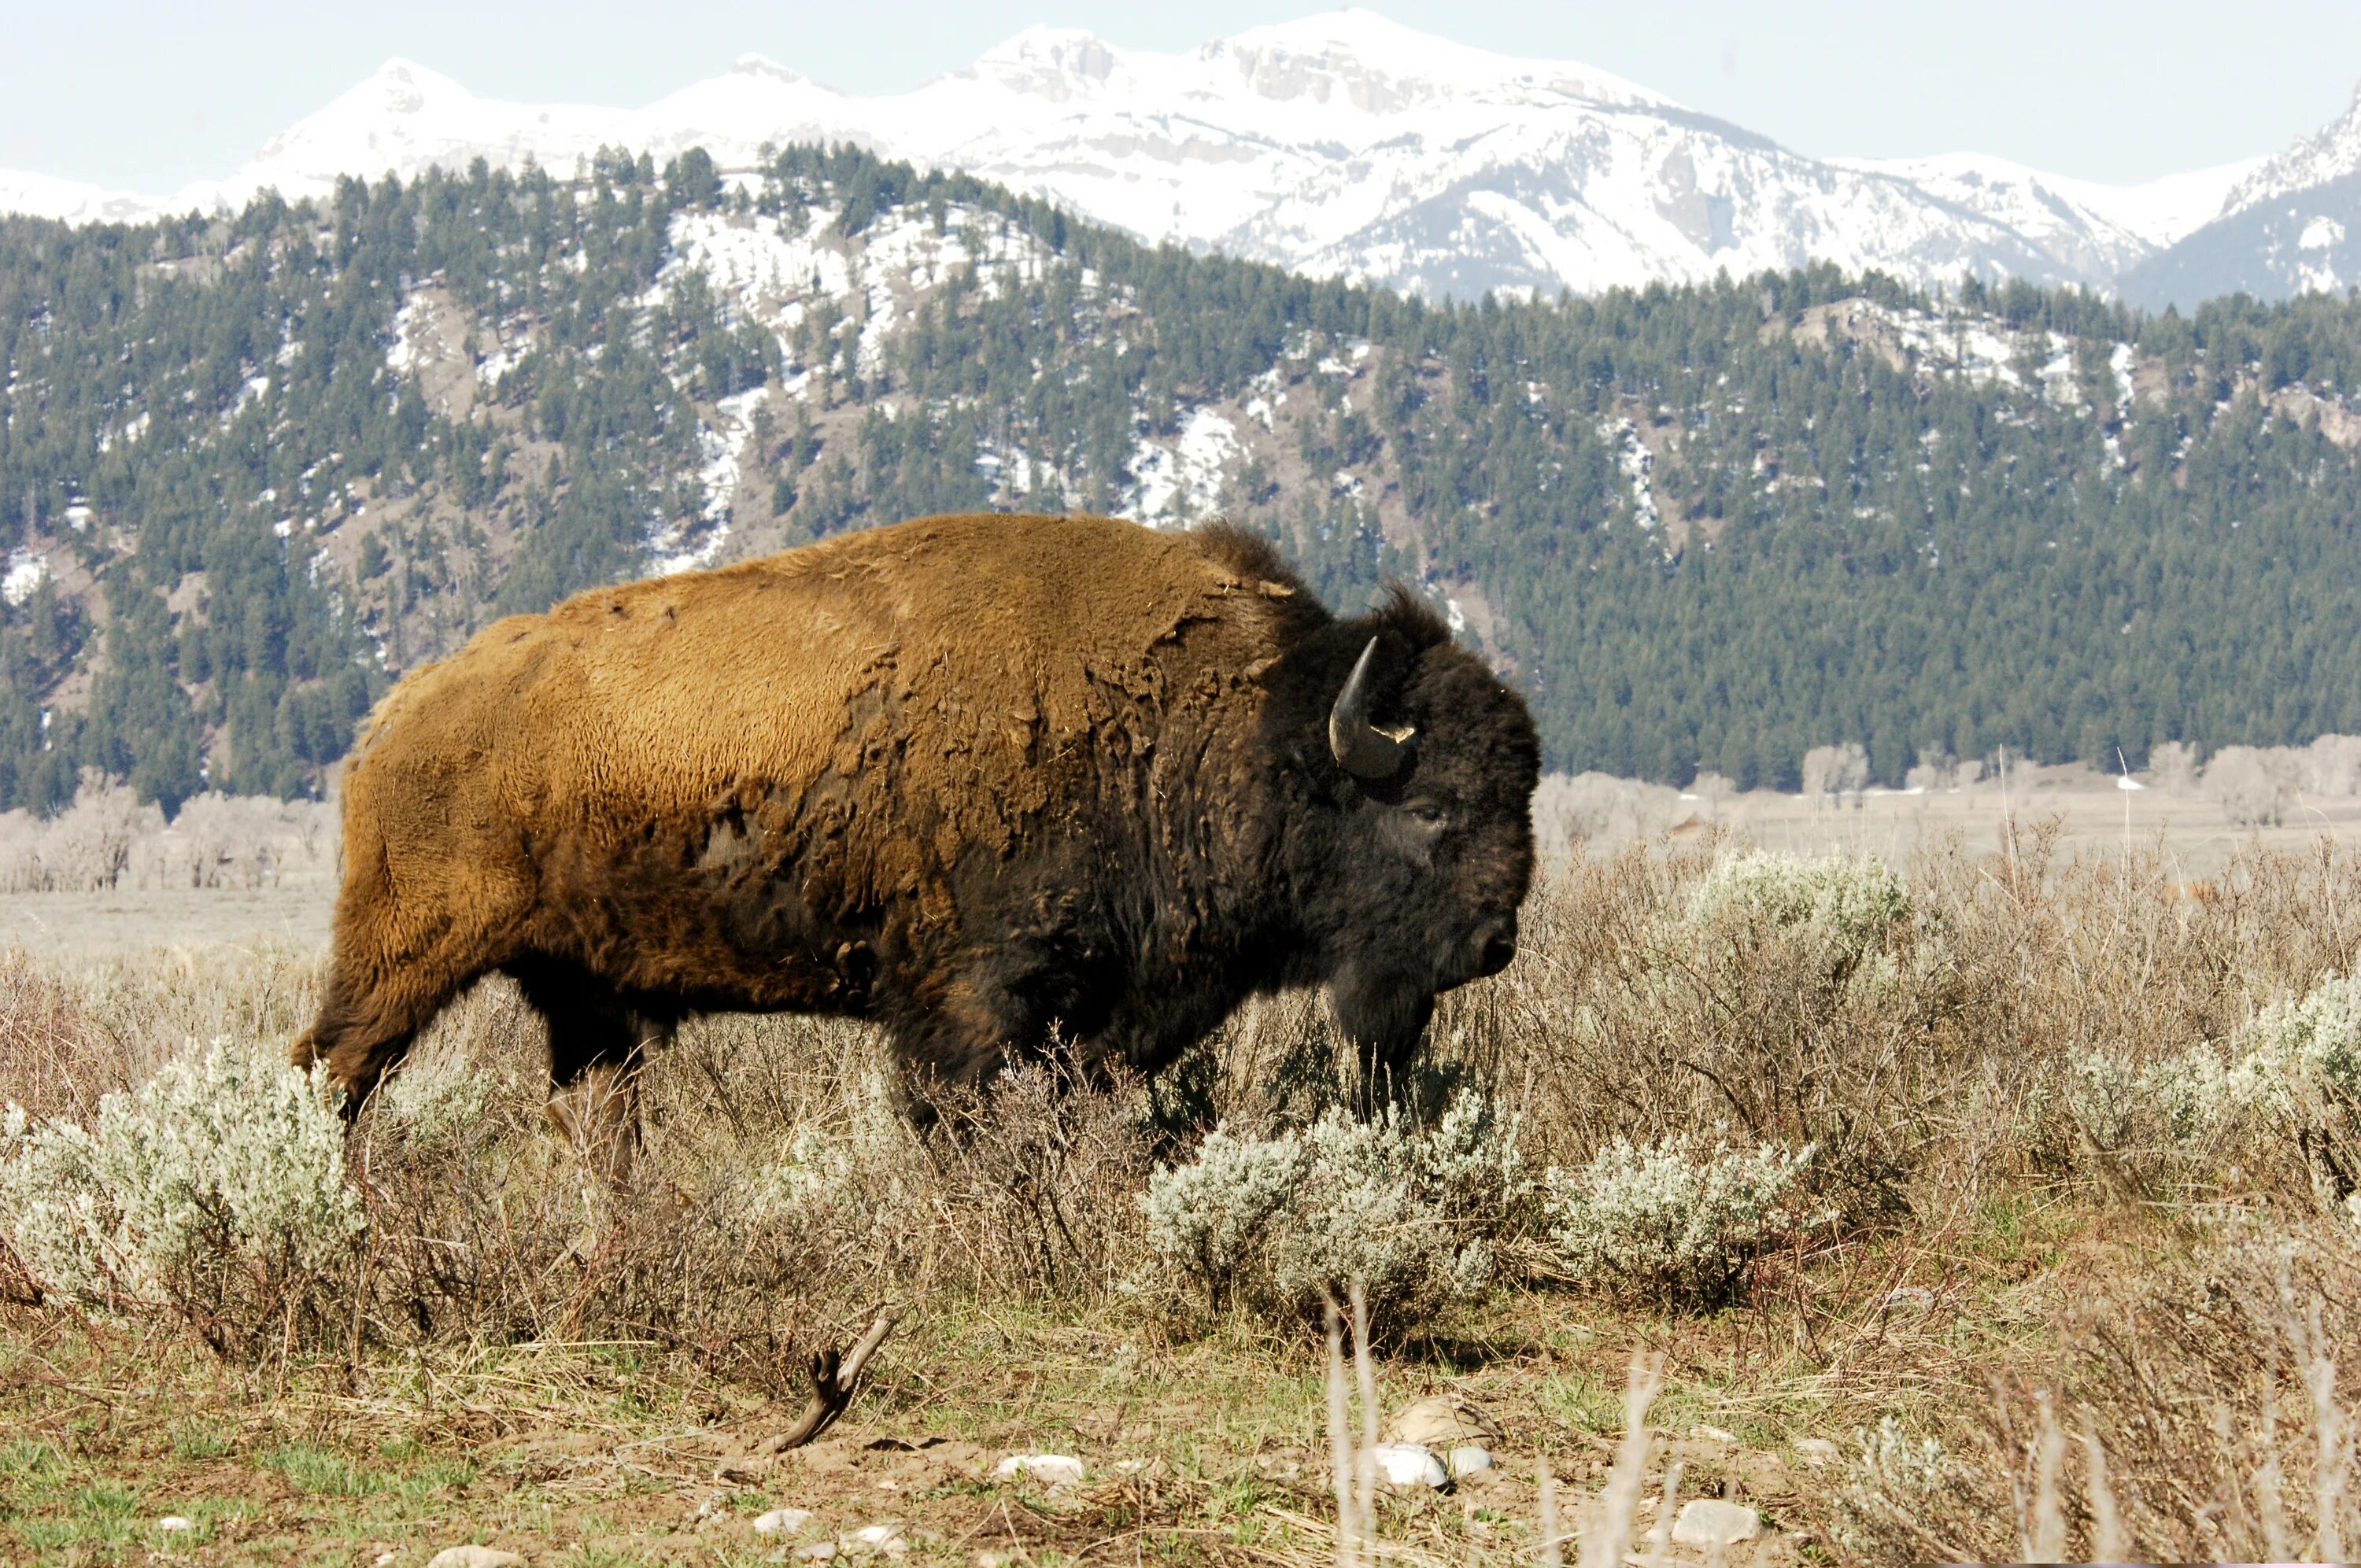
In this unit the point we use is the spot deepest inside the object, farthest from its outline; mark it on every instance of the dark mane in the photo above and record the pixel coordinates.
(1251, 555)
(1408, 616)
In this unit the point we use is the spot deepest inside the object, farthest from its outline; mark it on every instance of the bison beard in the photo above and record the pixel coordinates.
(973, 778)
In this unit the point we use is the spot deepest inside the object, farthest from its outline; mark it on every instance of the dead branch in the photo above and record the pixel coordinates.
(833, 1384)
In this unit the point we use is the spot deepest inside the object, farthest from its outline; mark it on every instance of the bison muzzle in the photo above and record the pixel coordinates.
(976, 778)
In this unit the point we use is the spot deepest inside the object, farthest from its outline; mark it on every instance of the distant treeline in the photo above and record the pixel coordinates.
(1925, 526)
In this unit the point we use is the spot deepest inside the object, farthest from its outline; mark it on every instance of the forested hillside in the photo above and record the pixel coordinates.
(254, 468)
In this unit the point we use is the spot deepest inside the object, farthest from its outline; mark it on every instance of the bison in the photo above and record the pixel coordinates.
(973, 778)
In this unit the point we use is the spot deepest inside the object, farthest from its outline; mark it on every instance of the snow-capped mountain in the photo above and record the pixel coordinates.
(2329, 154)
(2291, 226)
(1342, 145)
(2100, 230)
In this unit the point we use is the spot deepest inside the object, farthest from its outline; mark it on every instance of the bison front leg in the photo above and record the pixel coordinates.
(597, 1114)
(952, 1044)
(597, 1047)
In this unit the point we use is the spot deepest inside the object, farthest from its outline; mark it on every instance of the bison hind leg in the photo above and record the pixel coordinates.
(598, 1042)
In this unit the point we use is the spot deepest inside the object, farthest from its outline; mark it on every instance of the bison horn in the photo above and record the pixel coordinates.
(1361, 747)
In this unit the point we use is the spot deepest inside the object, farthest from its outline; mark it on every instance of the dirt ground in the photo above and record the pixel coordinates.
(1210, 1452)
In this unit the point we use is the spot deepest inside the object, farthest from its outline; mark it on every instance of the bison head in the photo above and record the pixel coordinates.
(1415, 845)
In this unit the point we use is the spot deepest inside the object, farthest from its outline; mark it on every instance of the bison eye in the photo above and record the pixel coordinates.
(1425, 813)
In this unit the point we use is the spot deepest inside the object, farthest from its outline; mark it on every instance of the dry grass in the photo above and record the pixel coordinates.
(2119, 1348)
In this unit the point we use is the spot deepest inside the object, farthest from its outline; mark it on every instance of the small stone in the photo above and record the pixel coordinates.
(1710, 1522)
(1909, 1299)
(782, 1521)
(1815, 1451)
(817, 1552)
(998, 1559)
(1410, 1464)
(1466, 1460)
(386, 1559)
(474, 1557)
(1050, 1469)
(173, 1524)
(886, 1539)
(1713, 1434)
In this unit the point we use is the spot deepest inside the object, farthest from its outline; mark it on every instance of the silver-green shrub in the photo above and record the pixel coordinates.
(1210, 1217)
(2106, 1094)
(1897, 1493)
(1677, 1220)
(1409, 1214)
(1850, 903)
(437, 1097)
(217, 1188)
(2290, 1076)
(2301, 1053)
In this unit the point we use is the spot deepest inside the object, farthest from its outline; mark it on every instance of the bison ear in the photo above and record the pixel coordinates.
(1362, 749)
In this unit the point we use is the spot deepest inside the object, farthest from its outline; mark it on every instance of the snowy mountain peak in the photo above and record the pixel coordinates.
(2331, 153)
(763, 68)
(1058, 65)
(399, 87)
(1358, 59)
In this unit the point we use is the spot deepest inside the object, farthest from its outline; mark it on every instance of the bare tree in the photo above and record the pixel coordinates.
(1836, 770)
(2173, 766)
(2255, 785)
(2335, 766)
(1937, 770)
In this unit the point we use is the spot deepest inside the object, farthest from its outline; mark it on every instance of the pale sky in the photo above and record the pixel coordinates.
(144, 94)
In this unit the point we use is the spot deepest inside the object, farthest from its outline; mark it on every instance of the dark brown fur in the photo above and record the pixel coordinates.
(972, 778)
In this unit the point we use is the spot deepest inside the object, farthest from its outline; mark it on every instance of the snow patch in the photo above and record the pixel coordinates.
(27, 572)
(1182, 482)
(403, 355)
(721, 445)
(1636, 463)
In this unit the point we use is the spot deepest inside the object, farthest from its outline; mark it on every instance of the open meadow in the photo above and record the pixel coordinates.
(1991, 1198)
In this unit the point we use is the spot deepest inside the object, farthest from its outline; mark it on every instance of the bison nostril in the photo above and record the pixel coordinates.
(1498, 945)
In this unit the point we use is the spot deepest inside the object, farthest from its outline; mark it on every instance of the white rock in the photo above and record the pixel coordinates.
(876, 1539)
(1054, 1469)
(1816, 1449)
(386, 1559)
(1710, 1522)
(1410, 1464)
(817, 1552)
(782, 1521)
(474, 1557)
(173, 1524)
(1714, 1434)
(1465, 1459)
